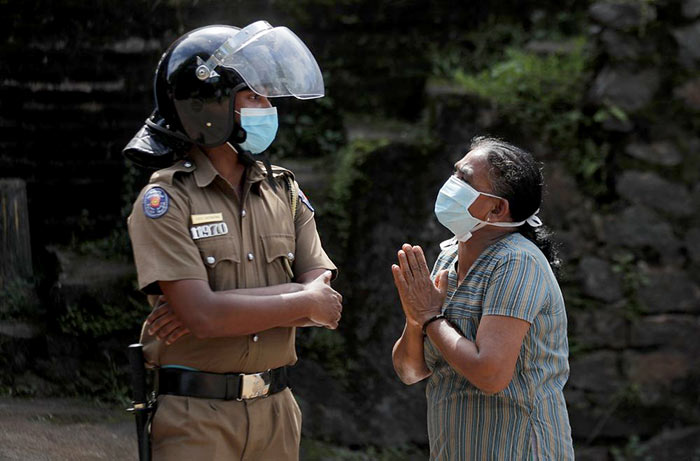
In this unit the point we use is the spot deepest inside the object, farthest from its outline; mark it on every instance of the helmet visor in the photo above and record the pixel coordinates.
(274, 62)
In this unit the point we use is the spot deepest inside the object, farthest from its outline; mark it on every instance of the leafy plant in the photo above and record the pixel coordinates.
(538, 92)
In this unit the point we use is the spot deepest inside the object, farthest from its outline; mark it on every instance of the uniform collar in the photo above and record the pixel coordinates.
(205, 172)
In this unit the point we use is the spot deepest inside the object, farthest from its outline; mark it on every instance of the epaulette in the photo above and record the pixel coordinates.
(166, 175)
(287, 177)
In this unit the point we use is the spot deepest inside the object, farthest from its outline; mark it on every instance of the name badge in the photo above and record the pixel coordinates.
(205, 218)
(208, 230)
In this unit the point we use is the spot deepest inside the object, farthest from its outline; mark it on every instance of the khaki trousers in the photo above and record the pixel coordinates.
(188, 428)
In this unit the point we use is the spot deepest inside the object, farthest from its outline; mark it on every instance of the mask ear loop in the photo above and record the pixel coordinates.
(534, 220)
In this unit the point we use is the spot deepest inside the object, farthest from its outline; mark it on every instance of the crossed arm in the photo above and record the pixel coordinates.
(191, 307)
(488, 362)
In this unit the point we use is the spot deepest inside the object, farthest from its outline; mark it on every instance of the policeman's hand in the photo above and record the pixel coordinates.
(324, 302)
(164, 324)
(421, 299)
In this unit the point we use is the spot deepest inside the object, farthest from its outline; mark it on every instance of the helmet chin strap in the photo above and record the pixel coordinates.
(249, 160)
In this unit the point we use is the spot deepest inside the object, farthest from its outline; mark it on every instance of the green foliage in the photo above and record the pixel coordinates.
(473, 50)
(308, 129)
(542, 93)
(18, 299)
(115, 246)
(97, 320)
(347, 174)
(633, 450)
(325, 346)
(542, 96)
(625, 263)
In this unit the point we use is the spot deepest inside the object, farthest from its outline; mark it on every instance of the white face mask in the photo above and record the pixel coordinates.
(452, 210)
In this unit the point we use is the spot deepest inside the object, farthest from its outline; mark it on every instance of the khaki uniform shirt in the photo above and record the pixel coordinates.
(188, 223)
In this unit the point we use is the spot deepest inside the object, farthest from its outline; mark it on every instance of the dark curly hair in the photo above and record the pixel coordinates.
(517, 177)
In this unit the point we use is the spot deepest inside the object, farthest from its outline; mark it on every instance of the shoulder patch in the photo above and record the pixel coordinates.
(305, 201)
(155, 202)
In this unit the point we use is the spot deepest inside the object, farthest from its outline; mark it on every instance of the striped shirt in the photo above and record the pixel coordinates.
(528, 419)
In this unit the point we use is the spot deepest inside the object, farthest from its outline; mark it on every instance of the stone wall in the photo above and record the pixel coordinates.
(77, 84)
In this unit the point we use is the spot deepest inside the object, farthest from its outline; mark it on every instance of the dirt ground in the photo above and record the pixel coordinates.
(65, 429)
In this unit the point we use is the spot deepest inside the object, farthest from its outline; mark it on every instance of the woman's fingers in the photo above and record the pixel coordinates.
(405, 266)
(412, 261)
(399, 279)
(420, 259)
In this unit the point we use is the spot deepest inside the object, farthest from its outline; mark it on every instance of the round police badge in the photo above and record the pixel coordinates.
(155, 202)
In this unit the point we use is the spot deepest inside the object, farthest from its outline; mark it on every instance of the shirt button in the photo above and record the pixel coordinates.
(211, 259)
(250, 256)
(242, 213)
(188, 164)
(290, 256)
(255, 338)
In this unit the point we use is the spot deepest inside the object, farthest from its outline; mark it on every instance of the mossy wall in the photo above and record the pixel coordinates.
(604, 93)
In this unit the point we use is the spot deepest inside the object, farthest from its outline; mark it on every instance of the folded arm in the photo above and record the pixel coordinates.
(193, 307)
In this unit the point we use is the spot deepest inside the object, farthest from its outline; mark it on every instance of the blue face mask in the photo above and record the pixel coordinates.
(260, 126)
(452, 210)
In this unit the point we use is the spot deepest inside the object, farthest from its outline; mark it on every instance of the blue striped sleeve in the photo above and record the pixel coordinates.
(517, 287)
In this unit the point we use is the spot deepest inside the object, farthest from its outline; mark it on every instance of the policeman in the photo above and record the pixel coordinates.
(230, 243)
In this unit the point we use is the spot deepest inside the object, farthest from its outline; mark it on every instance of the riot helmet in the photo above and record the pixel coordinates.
(198, 76)
(197, 79)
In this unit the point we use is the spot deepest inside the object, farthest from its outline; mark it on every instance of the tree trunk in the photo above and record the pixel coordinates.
(15, 249)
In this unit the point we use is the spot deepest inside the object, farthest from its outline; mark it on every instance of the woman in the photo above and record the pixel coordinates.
(488, 326)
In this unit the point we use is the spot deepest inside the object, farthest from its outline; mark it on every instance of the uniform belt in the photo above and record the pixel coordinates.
(225, 386)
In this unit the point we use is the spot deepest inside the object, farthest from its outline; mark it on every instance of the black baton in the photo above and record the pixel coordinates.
(140, 406)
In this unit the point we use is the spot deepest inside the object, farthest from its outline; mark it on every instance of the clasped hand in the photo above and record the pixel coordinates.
(421, 299)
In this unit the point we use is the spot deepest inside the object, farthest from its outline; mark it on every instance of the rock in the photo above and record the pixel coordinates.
(695, 201)
(670, 330)
(605, 419)
(599, 281)
(591, 453)
(596, 372)
(571, 244)
(654, 372)
(638, 227)
(17, 329)
(550, 47)
(691, 9)
(668, 290)
(649, 189)
(456, 118)
(692, 244)
(562, 198)
(628, 89)
(683, 443)
(600, 326)
(663, 153)
(623, 15)
(688, 38)
(689, 94)
(623, 47)
(617, 125)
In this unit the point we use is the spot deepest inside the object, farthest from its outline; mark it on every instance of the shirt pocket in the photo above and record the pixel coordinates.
(219, 255)
(279, 252)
